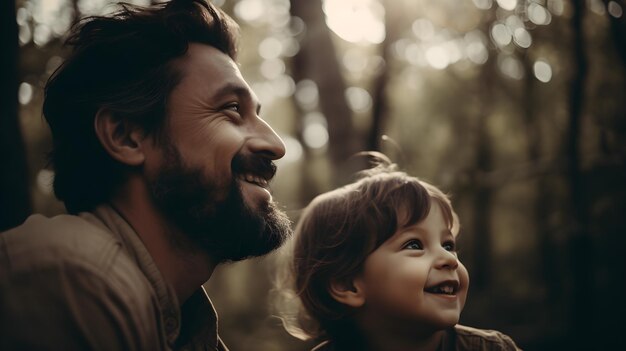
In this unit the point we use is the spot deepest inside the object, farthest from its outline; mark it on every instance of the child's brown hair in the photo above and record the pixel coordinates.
(340, 228)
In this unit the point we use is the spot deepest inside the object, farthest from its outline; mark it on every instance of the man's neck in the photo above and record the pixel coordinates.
(184, 270)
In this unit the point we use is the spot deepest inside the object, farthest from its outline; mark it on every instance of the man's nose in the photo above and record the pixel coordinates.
(265, 141)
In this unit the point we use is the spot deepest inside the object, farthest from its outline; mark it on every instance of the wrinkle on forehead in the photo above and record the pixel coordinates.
(198, 55)
(211, 74)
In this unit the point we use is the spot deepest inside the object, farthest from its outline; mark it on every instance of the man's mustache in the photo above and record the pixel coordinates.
(257, 165)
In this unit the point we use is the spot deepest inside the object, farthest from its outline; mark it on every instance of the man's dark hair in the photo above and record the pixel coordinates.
(122, 63)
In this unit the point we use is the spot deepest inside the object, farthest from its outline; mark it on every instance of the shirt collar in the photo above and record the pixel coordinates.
(198, 317)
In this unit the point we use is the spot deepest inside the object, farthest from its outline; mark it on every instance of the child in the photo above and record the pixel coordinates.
(375, 268)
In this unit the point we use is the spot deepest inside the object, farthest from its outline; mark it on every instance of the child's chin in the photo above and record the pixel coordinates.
(448, 321)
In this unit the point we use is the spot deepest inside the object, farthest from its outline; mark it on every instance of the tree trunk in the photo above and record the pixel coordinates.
(580, 245)
(317, 61)
(481, 229)
(542, 203)
(483, 164)
(393, 20)
(618, 30)
(15, 203)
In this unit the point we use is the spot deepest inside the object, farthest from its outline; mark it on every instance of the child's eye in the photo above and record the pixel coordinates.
(413, 245)
(449, 246)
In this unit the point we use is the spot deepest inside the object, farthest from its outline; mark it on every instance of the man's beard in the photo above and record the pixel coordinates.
(214, 218)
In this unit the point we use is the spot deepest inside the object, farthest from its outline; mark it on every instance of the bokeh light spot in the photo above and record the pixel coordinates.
(307, 94)
(250, 10)
(283, 86)
(42, 35)
(25, 34)
(423, 29)
(437, 57)
(290, 47)
(477, 52)
(91, 7)
(270, 48)
(538, 14)
(597, 7)
(293, 149)
(44, 181)
(354, 61)
(25, 93)
(273, 68)
(483, 4)
(359, 100)
(543, 71)
(356, 21)
(522, 38)
(21, 16)
(615, 9)
(511, 67)
(507, 4)
(501, 34)
(315, 133)
(556, 7)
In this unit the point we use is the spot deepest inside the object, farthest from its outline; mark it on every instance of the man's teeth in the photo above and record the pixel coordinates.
(251, 178)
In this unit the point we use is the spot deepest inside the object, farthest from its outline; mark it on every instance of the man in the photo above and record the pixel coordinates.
(163, 164)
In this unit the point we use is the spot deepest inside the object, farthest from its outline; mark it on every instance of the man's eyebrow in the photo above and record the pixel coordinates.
(232, 88)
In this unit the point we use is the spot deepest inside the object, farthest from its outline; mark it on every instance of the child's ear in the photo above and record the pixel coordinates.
(348, 292)
(120, 138)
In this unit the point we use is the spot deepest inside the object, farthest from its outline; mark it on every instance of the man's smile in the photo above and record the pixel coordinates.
(254, 179)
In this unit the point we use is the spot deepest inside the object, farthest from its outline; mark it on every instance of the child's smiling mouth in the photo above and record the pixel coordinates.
(448, 287)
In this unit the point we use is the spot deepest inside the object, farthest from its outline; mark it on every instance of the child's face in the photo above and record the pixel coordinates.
(415, 277)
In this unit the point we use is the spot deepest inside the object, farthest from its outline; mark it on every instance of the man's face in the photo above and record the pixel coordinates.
(216, 162)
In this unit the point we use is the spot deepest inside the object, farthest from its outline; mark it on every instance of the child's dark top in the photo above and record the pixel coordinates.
(458, 338)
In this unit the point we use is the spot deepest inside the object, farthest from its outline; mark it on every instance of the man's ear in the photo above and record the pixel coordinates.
(120, 138)
(348, 291)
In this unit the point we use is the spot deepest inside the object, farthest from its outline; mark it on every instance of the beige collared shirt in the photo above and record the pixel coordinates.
(87, 282)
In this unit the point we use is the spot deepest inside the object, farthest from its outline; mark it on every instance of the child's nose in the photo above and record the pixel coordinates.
(446, 260)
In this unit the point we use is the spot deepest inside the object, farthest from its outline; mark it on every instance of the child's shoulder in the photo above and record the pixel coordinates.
(460, 338)
(468, 338)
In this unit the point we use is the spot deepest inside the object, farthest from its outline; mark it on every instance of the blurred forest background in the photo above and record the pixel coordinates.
(515, 107)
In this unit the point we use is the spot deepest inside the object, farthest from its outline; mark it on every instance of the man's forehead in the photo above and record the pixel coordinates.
(207, 69)
(206, 66)
(205, 56)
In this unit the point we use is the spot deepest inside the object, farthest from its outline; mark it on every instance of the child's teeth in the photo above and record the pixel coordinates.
(445, 290)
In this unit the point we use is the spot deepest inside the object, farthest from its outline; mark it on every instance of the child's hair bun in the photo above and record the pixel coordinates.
(377, 162)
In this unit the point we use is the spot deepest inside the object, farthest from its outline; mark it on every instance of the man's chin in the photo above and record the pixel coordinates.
(271, 229)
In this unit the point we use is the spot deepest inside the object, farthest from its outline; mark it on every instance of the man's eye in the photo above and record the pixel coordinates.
(233, 106)
(413, 245)
(449, 246)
